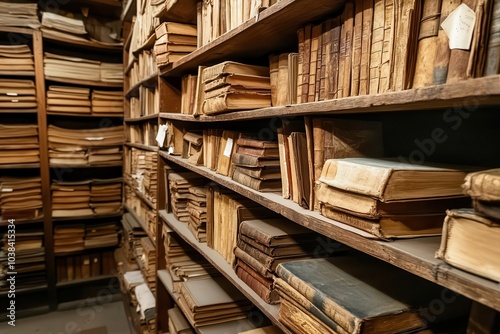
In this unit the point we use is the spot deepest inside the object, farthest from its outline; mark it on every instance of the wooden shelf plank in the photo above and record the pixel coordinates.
(129, 66)
(142, 223)
(114, 164)
(271, 311)
(141, 118)
(112, 215)
(143, 147)
(413, 255)
(83, 82)
(84, 281)
(17, 30)
(20, 166)
(275, 29)
(481, 92)
(81, 42)
(18, 111)
(150, 81)
(22, 221)
(84, 115)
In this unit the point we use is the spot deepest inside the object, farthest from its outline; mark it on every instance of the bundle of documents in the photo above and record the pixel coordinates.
(19, 144)
(132, 234)
(67, 99)
(17, 95)
(16, 14)
(106, 196)
(75, 68)
(179, 184)
(100, 235)
(143, 175)
(69, 238)
(148, 261)
(98, 146)
(16, 60)
(231, 86)
(20, 197)
(53, 21)
(107, 102)
(174, 41)
(182, 260)
(197, 209)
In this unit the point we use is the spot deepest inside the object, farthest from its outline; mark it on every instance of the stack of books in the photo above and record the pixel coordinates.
(197, 209)
(264, 243)
(183, 261)
(29, 263)
(179, 184)
(101, 235)
(71, 199)
(16, 60)
(143, 176)
(18, 95)
(478, 228)
(231, 86)
(17, 14)
(99, 146)
(20, 198)
(111, 72)
(256, 164)
(150, 177)
(107, 102)
(132, 235)
(388, 198)
(174, 41)
(19, 144)
(211, 300)
(148, 261)
(66, 99)
(69, 238)
(53, 23)
(358, 294)
(106, 196)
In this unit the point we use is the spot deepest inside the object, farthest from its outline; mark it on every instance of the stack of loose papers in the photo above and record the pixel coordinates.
(66, 99)
(174, 41)
(69, 238)
(52, 21)
(17, 95)
(71, 199)
(16, 60)
(106, 196)
(101, 146)
(101, 235)
(107, 102)
(19, 144)
(112, 72)
(20, 198)
(16, 14)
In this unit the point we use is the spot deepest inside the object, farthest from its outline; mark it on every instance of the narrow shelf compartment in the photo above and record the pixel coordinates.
(481, 91)
(414, 255)
(150, 81)
(271, 311)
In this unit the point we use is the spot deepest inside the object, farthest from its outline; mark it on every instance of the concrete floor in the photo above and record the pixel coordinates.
(89, 319)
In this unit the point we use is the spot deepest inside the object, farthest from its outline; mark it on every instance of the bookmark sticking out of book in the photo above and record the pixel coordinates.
(459, 26)
(162, 133)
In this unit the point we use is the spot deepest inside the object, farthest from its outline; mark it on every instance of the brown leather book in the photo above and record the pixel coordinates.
(262, 286)
(357, 47)
(386, 67)
(366, 44)
(316, 33)
(346, 50)
(427, 43)
(273, 76)
(333, 64)
(377, 45)
(493, 56)
(306, 63)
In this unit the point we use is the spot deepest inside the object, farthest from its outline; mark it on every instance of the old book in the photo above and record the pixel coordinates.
(378, 33)
(300, 163)
(273, 76)
(346, 50)
(264, 330)
(467, 227)
(276, 232)
(246, 160)
(342, 138)
(175, 28)
(366, 44)
(226, 150)
(261, 173)
(240, 81)
(200, 93)
(257, 184)
(283, 162)
(261, 285)
(264, 152)
(315, 43)
(459, 59)
(236, 100)
(357, 42)
(427, 44)
(493, 55)
(319, 64)
(300, 64)
(389, 180)
(483, 185)
(287, 83)
(479, 48)
(487, 208)
(363, 295)
(387, 45)
(306, 63)
(228, 67)
(443, 51)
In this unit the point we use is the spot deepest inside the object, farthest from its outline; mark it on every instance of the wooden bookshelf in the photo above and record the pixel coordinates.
(414, 255)
(17, 30)
(82, 42)
(114, 164)
(141, 119)
(143, 147)
(150, 81)
(271, 311)
(84, 82)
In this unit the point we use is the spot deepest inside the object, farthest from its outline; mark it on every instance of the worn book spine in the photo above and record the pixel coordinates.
(283, 164)
(273, 76)
(266, 260)
(319, 61)
(335, 57)
(349, 35)
(492, 66)
(315, 42)
(268, 295)
(366, 43)
(306, 63)
(377, 45)
(459, 59)
(246, 180)
(477, 61)
(483, 186)
(357, 47)
(428, 44)
(282, 97)
(339, 315)
(253, 262)
(342, 57)
(387, 46)
(325, 53)
(300, 63)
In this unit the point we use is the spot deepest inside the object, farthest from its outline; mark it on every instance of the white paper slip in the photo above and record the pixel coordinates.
(228, 148)
(459, 26)
(162, 133)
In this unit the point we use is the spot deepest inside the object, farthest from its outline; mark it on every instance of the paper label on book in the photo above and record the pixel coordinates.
(229, 148)
(162, 134)
(459, 26)
(11, 94)
(7, 190)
